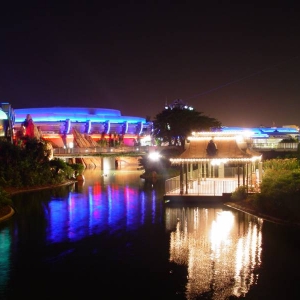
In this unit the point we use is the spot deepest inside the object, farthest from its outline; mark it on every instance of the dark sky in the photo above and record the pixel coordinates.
(235, 62)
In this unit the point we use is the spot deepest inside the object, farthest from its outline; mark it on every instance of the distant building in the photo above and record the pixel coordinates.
(268, 137)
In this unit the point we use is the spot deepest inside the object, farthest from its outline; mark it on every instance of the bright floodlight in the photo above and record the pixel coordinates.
(154, 156)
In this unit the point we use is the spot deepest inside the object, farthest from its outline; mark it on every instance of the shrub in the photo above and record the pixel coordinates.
(5, 198)
(239, 194)
(29, 165)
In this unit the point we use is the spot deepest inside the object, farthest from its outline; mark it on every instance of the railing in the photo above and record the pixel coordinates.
(143, 149)
(208, 186)
(97, 150)
(172, 185)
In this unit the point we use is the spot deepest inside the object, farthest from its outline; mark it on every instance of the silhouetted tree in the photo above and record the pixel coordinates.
(178, 120)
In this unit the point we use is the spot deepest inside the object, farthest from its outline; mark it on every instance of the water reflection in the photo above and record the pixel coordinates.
(114, 233)
(221, 251)
(81, 216)
(5, 244)
(113, 201)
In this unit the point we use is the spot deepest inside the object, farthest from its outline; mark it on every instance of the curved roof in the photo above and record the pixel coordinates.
(79, 114)
(228, 149)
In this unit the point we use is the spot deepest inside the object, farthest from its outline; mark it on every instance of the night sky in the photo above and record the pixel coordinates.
(237, 62)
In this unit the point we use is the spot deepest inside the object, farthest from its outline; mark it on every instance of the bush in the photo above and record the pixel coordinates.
(29, 165)
(280, 189)
(239, 194)
(5, 198)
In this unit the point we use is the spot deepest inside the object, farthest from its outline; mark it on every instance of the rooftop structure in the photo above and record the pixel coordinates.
(228, 148)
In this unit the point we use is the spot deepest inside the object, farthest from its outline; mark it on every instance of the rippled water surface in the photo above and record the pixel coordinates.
(113, 237)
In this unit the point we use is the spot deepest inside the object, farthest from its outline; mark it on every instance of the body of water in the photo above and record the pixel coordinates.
(113, 237)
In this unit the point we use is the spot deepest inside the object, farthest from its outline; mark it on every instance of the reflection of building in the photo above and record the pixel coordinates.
(220, 251)
(56, 124)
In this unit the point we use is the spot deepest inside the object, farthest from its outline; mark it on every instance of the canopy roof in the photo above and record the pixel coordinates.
(230, 148)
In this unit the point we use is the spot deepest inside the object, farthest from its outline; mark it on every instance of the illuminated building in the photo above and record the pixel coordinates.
(216, 170)
(266, 138)
(56, 124)
(234, 161)
(7, 118)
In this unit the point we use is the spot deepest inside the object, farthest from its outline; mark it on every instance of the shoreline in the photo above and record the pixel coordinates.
(7, 211)
(242, 206)
(13, 191)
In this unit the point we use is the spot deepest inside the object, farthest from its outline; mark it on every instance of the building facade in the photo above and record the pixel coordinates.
(58, 123)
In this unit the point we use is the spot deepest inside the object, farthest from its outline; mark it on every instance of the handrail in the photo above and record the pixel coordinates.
(97, 150)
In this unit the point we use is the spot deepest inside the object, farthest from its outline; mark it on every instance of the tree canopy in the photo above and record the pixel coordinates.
(177, 121)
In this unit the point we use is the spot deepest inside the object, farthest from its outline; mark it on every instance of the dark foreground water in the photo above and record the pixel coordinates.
(114, 238)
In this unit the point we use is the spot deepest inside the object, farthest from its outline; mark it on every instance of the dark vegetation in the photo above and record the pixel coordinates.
(28, 165)
(177, 121)
(279, 191)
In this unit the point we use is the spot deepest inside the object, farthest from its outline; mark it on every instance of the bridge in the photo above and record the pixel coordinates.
(96, 151)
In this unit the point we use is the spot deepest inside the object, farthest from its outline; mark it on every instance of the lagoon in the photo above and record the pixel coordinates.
(112, 237)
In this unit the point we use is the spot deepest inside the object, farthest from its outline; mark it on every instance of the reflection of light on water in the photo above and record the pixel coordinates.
(248, 257)
(100, 205)
(5, 248)
(220, 252)
(221, 229)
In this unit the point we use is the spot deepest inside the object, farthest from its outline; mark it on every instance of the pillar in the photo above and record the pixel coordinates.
(181, 179)
(221, 170)
(186, 179)
(260, 171)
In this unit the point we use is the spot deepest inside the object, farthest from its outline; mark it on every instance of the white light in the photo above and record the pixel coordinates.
(217, 162)
(239, 138)
(154, 156)
(147, 138)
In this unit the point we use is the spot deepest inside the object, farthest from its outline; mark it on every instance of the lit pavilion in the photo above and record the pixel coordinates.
(229, 164)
